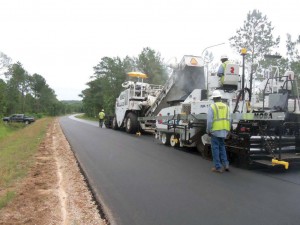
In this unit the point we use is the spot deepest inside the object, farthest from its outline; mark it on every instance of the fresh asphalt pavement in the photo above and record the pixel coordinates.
(141, 181)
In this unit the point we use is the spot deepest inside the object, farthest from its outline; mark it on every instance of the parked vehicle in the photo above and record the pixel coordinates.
(19, 118)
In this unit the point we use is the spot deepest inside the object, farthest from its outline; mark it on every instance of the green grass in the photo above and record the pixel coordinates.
(7, 198)
(17, 148)
(7, 128)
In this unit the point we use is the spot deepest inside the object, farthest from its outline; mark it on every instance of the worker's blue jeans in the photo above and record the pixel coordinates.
(219, 152)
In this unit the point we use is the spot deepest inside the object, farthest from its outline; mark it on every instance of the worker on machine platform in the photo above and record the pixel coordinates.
(222, 68)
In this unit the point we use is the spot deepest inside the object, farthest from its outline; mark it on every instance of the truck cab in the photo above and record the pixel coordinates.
(133, 102)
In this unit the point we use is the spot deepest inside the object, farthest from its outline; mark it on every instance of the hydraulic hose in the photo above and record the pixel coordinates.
(241, 94)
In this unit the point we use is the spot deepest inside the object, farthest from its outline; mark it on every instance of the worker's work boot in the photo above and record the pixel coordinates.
(216, 170)
(227, 168)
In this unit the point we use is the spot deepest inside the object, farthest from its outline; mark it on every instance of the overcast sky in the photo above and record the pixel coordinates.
(63, 40)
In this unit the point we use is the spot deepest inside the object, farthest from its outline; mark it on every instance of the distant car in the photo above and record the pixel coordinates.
(19, 118)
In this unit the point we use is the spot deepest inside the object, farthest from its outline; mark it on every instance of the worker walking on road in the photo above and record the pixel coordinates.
(101, 118)
(218, 126)
(222, 68)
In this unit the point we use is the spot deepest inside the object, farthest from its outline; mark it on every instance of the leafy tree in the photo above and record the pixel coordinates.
(2, 97)
(109, 75)
(72, 106)
(18, 85)
(4, 63)
(37, 84)
(22, 93)
(212, 66)
(291, 46)
(293, 56)
(48, 100)
(151, 63)
(256, 36)
(92, 98)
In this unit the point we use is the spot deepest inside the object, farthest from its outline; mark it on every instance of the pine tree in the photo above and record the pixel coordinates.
(256, 36)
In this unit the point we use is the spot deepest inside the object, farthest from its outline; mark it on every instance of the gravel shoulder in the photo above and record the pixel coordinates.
(55, 191)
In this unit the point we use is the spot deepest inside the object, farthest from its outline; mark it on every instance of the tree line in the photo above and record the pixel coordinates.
(21, 92)
(110, 73)
(256, 35)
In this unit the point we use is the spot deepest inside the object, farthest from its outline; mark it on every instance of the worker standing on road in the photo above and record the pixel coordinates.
(222, 68)
(218, 126)
(101, 118)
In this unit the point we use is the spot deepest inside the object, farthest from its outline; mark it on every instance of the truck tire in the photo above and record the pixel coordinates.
(132, 125)
(165, 138)
(174, 141)
(115, 124)
(203, 150)
(200, 147)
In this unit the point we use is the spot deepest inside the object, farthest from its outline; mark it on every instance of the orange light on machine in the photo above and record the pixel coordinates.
(137, 74)
(194, 61)
(243, 51)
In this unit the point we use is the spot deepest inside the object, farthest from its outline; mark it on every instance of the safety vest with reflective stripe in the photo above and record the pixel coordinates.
(101, 115)
(221, 119)
(224, 65)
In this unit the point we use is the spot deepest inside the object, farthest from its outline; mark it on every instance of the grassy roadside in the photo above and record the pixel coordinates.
(5, 130)
(17, 148)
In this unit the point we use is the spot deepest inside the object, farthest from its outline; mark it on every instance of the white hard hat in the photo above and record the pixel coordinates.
(102, 110)
(224, 56)
(216, 94)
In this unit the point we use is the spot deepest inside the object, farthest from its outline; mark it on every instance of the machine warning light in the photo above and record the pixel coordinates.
(193, 61)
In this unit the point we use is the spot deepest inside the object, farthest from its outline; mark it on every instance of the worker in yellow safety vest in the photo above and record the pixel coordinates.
(222, 68)
(218, 126)
(101, 118)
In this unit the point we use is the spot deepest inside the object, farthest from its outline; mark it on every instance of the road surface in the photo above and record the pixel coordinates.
(141, 181)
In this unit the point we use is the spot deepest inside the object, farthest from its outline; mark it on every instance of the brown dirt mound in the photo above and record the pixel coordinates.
(54, 192)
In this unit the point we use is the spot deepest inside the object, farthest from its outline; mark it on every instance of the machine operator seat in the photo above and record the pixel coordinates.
(231, 77)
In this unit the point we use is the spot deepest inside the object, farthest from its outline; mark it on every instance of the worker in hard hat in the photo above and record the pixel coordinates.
(221, 70)
(218, 126)
(101, 118)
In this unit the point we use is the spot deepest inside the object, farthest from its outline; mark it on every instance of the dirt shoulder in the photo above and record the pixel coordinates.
(54, 192)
